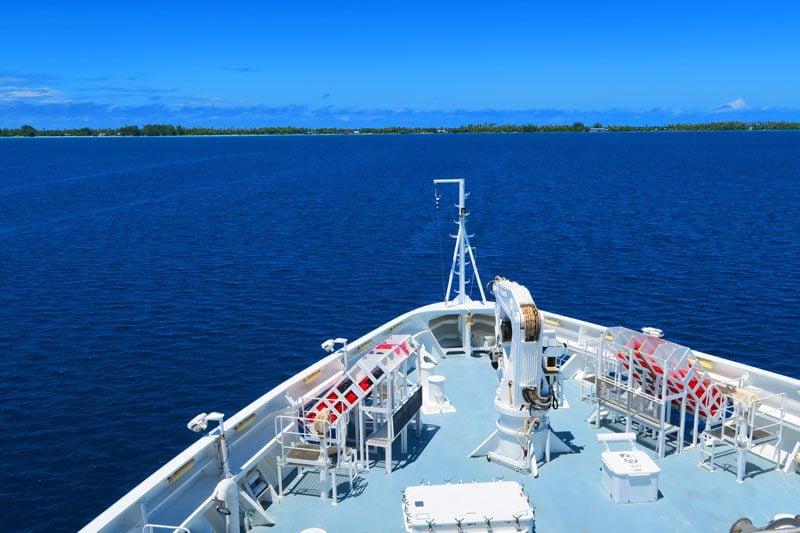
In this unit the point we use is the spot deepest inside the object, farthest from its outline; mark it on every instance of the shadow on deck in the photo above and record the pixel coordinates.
(415, 448)
(309, 483)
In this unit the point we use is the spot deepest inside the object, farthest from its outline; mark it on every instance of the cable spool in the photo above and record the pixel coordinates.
(533, 326)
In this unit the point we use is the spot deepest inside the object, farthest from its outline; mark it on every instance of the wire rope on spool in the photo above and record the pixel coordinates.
(533, 326)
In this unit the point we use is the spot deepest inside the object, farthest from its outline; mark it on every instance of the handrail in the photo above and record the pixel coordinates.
(286, 429)
(739, 411)
(752, 411)
(152, 527)
(742, 415)
(630, 389)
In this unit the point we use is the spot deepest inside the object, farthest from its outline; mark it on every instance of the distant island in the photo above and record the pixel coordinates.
(168, 130)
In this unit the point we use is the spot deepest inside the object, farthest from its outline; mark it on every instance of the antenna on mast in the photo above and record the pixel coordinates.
(461, 251)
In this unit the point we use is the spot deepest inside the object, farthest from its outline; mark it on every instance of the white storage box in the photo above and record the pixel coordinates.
(463, 507)
(630, 477)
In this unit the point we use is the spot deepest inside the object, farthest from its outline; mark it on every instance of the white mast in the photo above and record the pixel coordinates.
(461, 250)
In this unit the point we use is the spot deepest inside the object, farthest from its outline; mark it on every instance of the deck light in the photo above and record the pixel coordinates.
(200, 423)
(329, 345)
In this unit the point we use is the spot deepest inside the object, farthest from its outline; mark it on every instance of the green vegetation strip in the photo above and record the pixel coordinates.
(168, 130)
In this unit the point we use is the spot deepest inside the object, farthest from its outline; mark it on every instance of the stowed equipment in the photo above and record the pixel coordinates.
(530, 382)
(320, 435)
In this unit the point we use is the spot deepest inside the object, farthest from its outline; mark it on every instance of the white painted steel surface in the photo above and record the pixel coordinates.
(629, 477)
(465, 507)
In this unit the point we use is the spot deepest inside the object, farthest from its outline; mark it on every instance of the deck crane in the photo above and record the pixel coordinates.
(526, 359)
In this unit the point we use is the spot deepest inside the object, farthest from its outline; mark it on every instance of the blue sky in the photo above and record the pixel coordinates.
(405, 63)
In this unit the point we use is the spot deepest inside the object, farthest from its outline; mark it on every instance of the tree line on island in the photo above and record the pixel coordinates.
(168, 130)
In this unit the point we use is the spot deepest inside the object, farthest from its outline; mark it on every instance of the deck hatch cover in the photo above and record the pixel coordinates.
(464, 506)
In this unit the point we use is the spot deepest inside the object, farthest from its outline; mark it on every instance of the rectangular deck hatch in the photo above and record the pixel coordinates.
(465, 507)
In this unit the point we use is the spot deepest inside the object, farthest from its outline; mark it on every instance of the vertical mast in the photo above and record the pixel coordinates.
(462, 249)
(462, 215)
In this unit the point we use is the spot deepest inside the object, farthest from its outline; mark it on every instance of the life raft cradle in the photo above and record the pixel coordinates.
(315, 438)
(362, 378)
(657, 384)
(702, 399)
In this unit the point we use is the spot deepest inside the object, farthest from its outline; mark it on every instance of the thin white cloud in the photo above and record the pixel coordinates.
(13, 78)
(736, 105)
(10, 93)
(41, 107)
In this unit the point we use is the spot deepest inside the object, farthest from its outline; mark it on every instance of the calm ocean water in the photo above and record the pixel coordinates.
(145, 280)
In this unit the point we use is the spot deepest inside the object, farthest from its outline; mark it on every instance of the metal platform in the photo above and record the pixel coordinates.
(308, 453)
(729, 432)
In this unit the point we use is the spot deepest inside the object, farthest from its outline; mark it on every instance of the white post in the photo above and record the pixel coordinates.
(323, 458)
(462, 212)
(223, 450)
(741, 463)
(389, 421)
(361, 440)
(143, 511)
(466, 334)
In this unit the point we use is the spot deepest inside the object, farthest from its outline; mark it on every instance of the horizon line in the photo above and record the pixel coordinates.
(170, 130)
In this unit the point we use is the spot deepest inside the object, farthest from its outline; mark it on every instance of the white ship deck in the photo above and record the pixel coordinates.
(640, 376)
(566, 496)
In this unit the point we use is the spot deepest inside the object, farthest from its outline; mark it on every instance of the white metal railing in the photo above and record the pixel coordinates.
(297, 430)
(292, 430)
(305, 440)
(149, 528)
(589, 356)
(744, 414)
(744, 421)
(762, 409)
(641, 387)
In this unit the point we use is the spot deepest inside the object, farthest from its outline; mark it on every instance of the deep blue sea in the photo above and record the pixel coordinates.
(144, 280)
